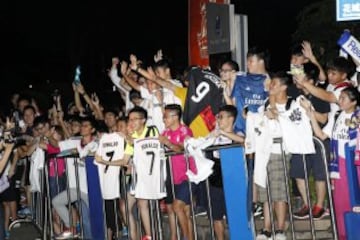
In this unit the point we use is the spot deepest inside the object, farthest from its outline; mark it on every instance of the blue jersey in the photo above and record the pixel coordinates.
(248, 92)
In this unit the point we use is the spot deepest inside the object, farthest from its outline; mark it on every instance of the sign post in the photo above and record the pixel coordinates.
(347, 10)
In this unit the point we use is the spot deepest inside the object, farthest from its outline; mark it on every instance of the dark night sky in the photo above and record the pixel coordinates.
(44, 41)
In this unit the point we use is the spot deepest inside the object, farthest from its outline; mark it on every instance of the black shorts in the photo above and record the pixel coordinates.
(11, 193)
(314, 164)
(169, 191)
(217, 199)
(111, 208)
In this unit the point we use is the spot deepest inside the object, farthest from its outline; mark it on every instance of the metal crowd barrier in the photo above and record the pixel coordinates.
(322, 148)
(42, 210)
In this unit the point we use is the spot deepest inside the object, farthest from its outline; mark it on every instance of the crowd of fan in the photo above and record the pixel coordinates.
(327, 96)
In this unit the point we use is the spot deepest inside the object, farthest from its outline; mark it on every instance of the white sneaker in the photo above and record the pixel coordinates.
(64, 235)
(280, 236)
(263, 235)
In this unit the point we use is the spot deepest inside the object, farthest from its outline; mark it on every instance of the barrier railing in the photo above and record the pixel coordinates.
(42, 204)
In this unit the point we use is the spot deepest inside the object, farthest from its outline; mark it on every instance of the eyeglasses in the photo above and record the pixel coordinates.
(134, 119)
(225, 70)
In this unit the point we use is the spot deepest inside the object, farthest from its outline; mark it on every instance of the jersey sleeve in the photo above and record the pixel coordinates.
(99, 150)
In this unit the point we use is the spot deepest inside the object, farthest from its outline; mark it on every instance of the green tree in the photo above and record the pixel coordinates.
(317, 24)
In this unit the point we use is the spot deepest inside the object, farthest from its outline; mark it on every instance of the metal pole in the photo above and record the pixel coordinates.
(308, 197)
(159, 223)
(124, 184)
(48, 214)
(68, 194)
(48, 198)
(116, 218)
(328, 184)
(191, 198)
(212, 232)
(287, 188)
(173, 193)
(78, 196)
(152, 218)
(270, 204)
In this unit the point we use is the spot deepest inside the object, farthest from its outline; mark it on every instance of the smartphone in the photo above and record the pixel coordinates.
(77, 75)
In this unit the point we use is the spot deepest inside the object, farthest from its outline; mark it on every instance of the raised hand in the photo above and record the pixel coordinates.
(80, 88)
(9, 124)
(307, 50)
(115, 61)
(95, 99)
(158, 56)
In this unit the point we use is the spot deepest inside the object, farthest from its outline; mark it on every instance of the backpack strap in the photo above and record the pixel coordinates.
(336, 116)
(288, 103)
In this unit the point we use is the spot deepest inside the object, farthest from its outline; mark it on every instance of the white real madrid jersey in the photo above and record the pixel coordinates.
(111, 147)
(149, 168)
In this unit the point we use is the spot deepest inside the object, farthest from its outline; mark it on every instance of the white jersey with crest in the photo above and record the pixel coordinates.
(111, 147)
(149, 168)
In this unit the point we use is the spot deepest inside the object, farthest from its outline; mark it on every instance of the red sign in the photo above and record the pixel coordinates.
(198, 47)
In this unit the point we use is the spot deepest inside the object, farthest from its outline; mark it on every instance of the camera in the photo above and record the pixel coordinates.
(14, 135)
(9, 137)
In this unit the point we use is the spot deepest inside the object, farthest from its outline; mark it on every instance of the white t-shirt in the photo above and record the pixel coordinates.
(154, 109)
(339, 131)
(274, 128)
(111, 147)
(150, 169)
(334, 107)
(70, 163)
(296, 128)
(37, 160)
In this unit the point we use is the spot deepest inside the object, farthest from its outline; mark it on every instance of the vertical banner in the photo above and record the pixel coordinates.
(236, 182)
(197, 32)
(95, 200)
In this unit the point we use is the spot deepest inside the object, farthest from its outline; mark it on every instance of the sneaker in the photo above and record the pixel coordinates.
(257, 210)
(318, 212)
(24, 212)
(146, 237)
(280, 235)
(64, 235)
(327, 212)
(200, 211)
(303, 213)
(263, 235)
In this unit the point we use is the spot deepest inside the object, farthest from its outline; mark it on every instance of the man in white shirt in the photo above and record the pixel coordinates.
(84, 147)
